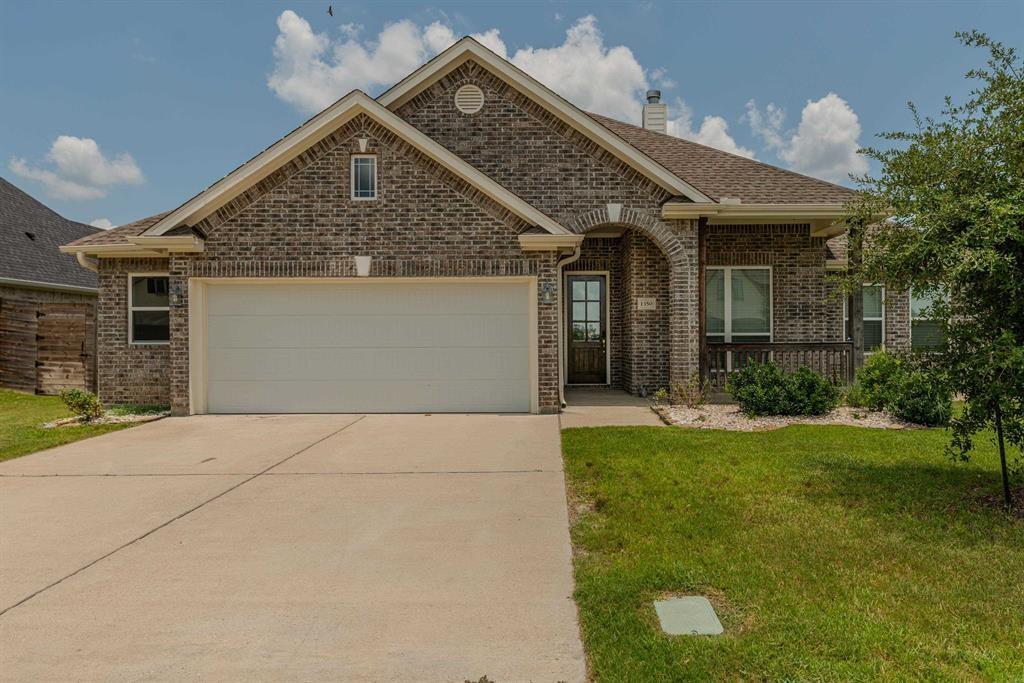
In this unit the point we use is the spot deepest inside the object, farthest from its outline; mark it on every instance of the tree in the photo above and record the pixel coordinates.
(952, 194)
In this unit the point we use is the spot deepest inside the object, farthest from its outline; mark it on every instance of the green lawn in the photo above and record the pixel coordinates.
(21, 419)
(831, 553)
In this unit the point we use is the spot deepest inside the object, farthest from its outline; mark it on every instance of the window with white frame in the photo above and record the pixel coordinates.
(925, 331)
(364, 176)
(738, 304)
(149, 311)
(874, 318)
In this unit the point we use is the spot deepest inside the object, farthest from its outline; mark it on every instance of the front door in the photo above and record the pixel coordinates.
(588, 329)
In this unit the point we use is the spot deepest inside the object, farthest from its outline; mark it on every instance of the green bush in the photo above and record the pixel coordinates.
(922, 400)
(764, 389)
(808, 393)
(759, 388)
(854, 396)
(880, 379)
(85, 404)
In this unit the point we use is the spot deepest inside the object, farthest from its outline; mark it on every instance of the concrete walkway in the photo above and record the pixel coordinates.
(291, 548)
(606, 407)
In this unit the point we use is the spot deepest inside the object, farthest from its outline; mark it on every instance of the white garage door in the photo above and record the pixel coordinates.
(368, 347)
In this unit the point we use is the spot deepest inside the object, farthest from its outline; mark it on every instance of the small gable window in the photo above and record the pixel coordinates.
(364, 176)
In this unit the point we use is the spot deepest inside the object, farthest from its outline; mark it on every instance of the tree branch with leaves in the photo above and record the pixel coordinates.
(952, 194)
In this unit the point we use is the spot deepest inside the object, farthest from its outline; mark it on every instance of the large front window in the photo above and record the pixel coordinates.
(738, 304)
(149, 317)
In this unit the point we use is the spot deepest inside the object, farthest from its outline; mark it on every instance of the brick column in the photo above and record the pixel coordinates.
(684, 307)
(179, 368)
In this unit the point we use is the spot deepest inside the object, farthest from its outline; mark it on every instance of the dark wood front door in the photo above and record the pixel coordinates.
(587, 329)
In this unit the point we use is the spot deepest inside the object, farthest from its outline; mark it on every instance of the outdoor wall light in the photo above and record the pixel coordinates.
(363, 266)
(176, 297)
(547, 293)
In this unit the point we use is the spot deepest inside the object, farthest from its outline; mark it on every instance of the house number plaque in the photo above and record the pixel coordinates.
(646, 303)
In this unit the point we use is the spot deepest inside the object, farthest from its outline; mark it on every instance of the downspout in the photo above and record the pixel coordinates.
(86, 262)
(572, 258)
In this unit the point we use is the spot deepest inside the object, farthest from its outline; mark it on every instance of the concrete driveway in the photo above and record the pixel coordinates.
(316, 547)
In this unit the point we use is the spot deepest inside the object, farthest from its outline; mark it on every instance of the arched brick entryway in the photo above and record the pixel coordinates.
(655, 346)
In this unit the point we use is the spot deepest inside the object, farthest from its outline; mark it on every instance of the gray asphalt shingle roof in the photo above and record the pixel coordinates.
(720, 174)
(30, 234)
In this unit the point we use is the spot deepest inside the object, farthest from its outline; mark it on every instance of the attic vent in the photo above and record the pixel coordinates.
(469, 99)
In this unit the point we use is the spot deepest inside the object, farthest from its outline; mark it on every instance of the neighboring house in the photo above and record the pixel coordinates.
(47, 301)
(468, 241)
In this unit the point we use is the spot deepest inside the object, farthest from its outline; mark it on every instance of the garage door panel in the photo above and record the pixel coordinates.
(380, 330)
(387, 364)
(409, 346)
(368, 396)
(395, 298)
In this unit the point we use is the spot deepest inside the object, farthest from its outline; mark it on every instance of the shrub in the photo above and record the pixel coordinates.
(808, 393)
(759, 388)
(921, 399)
(880, 379)
(85, 404)
(854, 396)
(764, 389)
(693, 393)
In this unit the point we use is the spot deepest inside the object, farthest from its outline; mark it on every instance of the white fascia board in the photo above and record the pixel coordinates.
(724, 213)
(301, 139)
(468, 48)
(549, 242)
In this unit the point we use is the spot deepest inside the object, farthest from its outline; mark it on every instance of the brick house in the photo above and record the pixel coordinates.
(47, 302)
(467, 241)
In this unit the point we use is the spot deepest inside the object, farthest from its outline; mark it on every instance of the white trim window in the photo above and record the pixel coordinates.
(874, 318)
(738, 304)
(149, 308)
(364, 176)
(925, 331)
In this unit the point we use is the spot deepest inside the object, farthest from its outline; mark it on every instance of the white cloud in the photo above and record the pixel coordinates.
(825, 142)
(713, 131)
(79, 169)
(591, 75)
(101, 223)
(311, 71)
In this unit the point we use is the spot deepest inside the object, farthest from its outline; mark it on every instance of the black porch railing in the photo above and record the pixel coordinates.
(833, 360)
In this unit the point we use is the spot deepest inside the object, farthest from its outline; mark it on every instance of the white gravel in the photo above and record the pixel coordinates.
(729, 417)
(107, 420)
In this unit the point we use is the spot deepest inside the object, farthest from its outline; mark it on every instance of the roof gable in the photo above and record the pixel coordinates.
(314, 130)
(467, 48)
(31, 234)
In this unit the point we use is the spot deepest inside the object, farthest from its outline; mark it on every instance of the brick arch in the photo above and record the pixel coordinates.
(641, 221)
(680, 248)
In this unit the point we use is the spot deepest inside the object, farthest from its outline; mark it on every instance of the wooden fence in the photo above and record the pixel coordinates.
(833, 360)
(45, 347)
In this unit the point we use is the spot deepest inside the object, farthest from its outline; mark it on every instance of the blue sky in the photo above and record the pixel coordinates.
(119, 110)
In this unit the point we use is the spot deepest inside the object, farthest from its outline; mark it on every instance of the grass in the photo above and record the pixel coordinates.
(21, 419)
(831, 553)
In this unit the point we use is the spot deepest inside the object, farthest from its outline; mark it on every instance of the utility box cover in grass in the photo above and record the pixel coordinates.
(692, 615)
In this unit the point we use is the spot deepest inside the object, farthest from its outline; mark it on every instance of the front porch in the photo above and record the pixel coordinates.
(637, 319)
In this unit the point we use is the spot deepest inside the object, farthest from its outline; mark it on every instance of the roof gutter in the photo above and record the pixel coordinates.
(37, 284)
(826, 220)
(143, 247)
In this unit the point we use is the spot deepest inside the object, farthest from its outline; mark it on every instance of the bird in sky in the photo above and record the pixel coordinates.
(330, 10)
